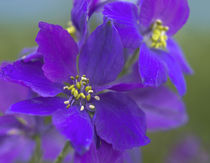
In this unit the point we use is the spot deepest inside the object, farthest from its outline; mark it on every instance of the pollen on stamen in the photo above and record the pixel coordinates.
(91, 106)
(97, 98)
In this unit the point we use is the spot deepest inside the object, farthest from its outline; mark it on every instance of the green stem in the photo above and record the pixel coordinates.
(63, 153)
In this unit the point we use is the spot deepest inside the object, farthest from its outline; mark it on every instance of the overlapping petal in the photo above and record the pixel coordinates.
(176, 52)
(59, 51)
(173, 13)
(75, 126)
(120, 122)
(101, 153)
(42, 106)
(124, 15)
(163, 108)
(151, 68)
(101, 58)
(31, 75)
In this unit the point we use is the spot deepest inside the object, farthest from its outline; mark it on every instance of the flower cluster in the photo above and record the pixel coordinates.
(101, 90)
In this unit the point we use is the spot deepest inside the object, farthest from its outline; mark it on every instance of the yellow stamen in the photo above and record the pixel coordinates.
(76, 93)
(88, 88)
(91, 106)
(68, 106)
(82, 108)
(66, 102)
(97, 98)
(88, 97)
(90, 91)
(78, 85)
(82, 95)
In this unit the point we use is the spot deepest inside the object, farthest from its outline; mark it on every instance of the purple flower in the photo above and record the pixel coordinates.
(116, 118)
(151, 31)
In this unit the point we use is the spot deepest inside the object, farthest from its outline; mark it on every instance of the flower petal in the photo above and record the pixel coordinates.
(101, 58)
(76, 126)
(59, 51)
(124, 16)
(176, 52)
(163, 108)
(173, 13)
(16, 149)
(120, 122)
(79, 15)
(10, 94)
(152, 70)
(50, 147)
(42, 106)
(103, 153)
(175, 73)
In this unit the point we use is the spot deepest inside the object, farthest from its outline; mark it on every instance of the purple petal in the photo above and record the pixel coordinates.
(30, 54)
(102, 60)
(76, 126)
(163, 108)
(152, 70)
(42, 106)
(103, 153)
(176, 52)
(79, 15)
(175, 73)
(173, 13)
(31, 75)
(59, 51)
(16, 148)
(11, 93)
(124, 15)
(120, 122)
(51, 148)
(7, 123)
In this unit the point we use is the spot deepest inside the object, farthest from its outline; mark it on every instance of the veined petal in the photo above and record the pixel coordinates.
(59, 51)
(174, 72)
(42, 106)
(101, 58)
(120, 122)
(124, 16)
(163, 108)
(76, 126)
(173, 13)
(79, 15)
(152, 70)
(31, 75)
(176, 52)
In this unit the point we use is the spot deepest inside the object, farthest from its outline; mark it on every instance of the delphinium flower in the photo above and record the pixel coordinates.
(189, 149)
(79, 110)
(151, 31)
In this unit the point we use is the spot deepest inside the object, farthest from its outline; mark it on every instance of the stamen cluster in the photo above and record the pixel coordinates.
(80, 92)
(158, 37)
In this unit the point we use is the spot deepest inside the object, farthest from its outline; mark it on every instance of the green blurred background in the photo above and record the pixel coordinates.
(18, 29)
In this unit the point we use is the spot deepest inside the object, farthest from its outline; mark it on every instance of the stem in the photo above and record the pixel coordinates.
(63, 153)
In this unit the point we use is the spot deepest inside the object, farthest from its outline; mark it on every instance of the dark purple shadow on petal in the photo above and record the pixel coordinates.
(42, 106)
(101, 58)
(152, 70)
(176, 52)
(31, 75)
(163, 108)
(120, 122)
(173, 13)
(124, 16)
(103, 153)
(59, 51)
(76, 126)
(10, 94)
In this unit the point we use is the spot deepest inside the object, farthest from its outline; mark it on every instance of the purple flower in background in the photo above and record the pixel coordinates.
(151, 31)
(79, 108)
(189, 149)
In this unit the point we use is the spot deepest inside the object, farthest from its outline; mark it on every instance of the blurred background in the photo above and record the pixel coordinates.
(18, 29)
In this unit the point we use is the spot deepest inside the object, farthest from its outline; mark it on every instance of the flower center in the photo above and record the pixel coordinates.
(158, 37)
(80, 92)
